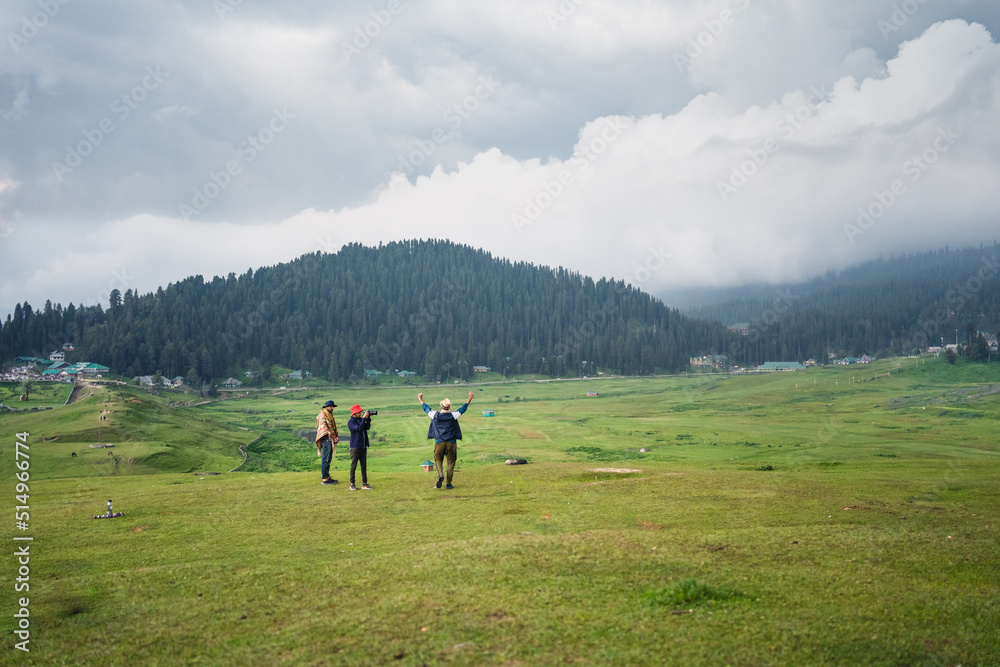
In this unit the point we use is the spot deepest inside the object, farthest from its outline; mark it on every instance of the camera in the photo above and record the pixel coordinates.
(372, 413)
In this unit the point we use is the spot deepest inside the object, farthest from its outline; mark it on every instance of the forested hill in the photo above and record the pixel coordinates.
(432, 307)
(887, 306)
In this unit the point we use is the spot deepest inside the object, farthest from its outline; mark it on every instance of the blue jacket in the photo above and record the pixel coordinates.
(444, 425)
(359, 431)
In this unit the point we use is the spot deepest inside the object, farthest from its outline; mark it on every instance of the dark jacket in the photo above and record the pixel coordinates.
(359, 431)
(444, 425)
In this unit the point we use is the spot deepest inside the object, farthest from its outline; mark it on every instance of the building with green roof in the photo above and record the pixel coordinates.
(780, 366)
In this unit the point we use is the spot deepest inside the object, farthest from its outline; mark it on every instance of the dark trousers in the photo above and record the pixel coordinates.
(326, 457)
(445, 450)
(359, 454)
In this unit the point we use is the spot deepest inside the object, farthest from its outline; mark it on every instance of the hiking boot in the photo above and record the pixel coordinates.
(449, 486)
(440, 479)
(353, 488)
(366, 486)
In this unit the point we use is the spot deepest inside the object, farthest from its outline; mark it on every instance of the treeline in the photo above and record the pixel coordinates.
(885, 307)
(432, 307)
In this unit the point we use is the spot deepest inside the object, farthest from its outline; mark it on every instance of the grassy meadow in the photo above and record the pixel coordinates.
(43, 395)
(835, 516)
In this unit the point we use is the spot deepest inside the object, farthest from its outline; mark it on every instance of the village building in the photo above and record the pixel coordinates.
(741, 328)
(710, 360)
(87, 368)
(30, 361)
(780, 366)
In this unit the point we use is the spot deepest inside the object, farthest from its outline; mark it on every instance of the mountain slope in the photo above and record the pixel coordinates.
(887, 306)
(432, 307)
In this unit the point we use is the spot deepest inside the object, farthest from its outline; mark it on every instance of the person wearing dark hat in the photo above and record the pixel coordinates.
(326, 440)
(359, 424)
(446, 432)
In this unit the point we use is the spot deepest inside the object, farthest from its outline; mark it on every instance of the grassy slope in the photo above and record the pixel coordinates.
(43, 395)
(148, 436)
(872, 540)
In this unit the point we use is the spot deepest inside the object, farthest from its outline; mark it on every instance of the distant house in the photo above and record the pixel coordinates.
(31, 361)
(480, 369)
(90, 368)
(231, 383)
(57, 355)
(810, 362)
(68, 347)
(780, 366)
(57, 365)
(865, 359)
(713, 360)
(934, 349)
(405, 374)
(149, 381)
(178, 381)
(372, 373)
(846, 361)
(298, 375)
(59, 374)
(741, 328)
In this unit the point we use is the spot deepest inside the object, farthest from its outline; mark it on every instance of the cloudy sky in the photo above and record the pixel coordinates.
(670, 143)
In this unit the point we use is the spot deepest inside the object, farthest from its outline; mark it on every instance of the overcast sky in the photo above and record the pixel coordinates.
(671, 143)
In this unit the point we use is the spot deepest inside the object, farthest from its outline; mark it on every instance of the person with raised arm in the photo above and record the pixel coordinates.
(446, 432)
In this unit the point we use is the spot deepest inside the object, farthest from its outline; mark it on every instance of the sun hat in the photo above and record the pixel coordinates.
(355, 408)
(329, 404)
(446, 404)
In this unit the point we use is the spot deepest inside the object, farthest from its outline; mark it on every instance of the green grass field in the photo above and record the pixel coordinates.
(833, 516)
(43, 395)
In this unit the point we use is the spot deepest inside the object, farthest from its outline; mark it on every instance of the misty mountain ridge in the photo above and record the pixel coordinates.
(893, 306)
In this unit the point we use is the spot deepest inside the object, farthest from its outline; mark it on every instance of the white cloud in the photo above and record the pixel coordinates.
(176, 110)
(648, 185)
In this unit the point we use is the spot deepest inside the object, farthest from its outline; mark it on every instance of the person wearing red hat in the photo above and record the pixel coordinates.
(359, 423)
